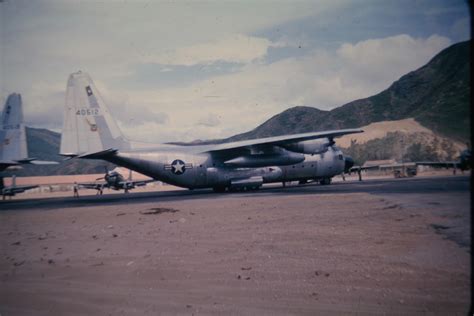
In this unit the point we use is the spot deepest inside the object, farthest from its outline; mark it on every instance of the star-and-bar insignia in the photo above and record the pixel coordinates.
(89, 91)
(178, 166)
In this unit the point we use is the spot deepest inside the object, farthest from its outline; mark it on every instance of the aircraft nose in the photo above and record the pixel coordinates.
(349, 162)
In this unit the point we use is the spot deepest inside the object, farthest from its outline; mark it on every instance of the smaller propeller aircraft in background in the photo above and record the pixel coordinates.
(115, 181)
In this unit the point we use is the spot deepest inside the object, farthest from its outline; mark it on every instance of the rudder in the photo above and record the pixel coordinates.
(12, 130)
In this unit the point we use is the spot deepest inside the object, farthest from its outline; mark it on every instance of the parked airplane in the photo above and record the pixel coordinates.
(114, 181)
(90, 132)
(463, 163)
(13, 149)
(13, 189)
(409, 169)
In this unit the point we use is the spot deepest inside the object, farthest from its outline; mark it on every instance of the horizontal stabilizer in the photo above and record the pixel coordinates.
(35, 161)
(99, 154)
(44, 162)
(68, 156)
(4, 164)
(9, 162)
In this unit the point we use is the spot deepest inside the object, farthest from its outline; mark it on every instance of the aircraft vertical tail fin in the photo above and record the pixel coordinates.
(12, 130)
(88, 126)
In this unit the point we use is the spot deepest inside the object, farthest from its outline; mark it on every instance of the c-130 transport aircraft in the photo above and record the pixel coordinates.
(90, 132)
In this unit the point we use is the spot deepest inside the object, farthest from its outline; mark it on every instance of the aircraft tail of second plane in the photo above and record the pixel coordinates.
(12, 130)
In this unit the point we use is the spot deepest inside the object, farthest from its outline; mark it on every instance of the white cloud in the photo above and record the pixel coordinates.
(244, 99)
(393, 56)
(322, 78)
(211, 120)
(234, 49)
(43, 42)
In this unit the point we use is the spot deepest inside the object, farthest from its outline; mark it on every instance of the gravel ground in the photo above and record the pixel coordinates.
(353, 253)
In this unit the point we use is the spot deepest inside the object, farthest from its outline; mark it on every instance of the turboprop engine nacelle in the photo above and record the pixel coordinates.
(311, 147)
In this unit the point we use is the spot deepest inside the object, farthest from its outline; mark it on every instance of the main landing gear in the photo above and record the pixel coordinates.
(236, 189)
(325, 181)
(219, 189)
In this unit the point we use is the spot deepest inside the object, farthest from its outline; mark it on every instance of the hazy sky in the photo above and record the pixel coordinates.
(175, 70)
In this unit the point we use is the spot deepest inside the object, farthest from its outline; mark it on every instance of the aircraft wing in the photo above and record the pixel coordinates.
(142, 183)
(280, 140)
(43, 162)
(398, 165)
(445, 164)
(356, 168)
(95, 186)
(132, 184)
(12, 190)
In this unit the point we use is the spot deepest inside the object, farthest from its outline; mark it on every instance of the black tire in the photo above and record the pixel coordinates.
(325, 181)
(219, 189)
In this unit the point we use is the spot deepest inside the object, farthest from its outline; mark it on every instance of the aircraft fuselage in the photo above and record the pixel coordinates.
(202, 170)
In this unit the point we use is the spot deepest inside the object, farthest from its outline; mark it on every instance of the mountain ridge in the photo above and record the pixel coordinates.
(437, 95)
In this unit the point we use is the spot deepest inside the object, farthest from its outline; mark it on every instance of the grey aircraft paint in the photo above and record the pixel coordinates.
(12, 133)
(90, 132)
(13, 147)
(114, 181)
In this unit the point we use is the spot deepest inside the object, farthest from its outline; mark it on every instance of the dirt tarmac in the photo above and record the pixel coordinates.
(241, 254)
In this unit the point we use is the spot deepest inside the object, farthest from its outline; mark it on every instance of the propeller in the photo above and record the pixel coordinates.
(349, 163)
(106, 174)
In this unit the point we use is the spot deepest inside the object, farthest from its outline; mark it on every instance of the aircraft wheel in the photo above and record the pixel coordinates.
(325, 181)
(219, 189)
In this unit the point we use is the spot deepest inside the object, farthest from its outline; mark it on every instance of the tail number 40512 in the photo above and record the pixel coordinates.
(87, 112)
